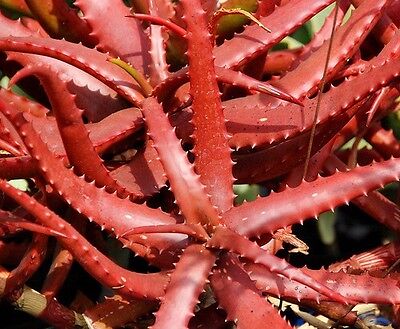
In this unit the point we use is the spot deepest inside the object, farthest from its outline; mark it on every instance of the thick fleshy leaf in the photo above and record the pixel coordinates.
(107, 210)
(255, 41)
(29, 264)
(337, 104)
(266, 215)
(374, 204)
(125, 282)
(58, 272)
(257, 109)
(228, 240)
(345, 43)
(93, 96)
(86, 59)
(11, 220)
(324, 33)
(17, 167)
(158, 66)
(361, 288)
(190, 193)
(380, 258)
(143, 174)
(111, 33)
(79, 148)
(213, 162)
(234, 78)
(230, 282)
(187, 282)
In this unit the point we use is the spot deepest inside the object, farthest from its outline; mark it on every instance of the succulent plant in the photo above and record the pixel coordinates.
(146, 118)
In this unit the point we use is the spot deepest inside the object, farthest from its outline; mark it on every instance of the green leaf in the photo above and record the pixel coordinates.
(246, 192)
(231, 23)
(326, 227)
(21, 184)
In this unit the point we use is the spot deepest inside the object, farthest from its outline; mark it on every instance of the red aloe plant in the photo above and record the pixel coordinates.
(151, 156)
